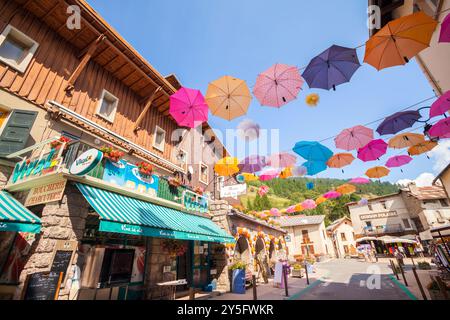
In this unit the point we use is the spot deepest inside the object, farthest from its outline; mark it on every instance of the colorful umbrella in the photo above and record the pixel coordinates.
(320, 200)
(354, 138)
(282, 160)
(332, 195)
(377, 172)
(363, 202)
(441, 106)
(441, 129)
(278, 85)
(312, 151)
(248, 130)
(269, 175)
(228, 97)
(346, 189)
(359, 181)
(398, 161)
(226, 167)
(291, 209)
(309, 204)
(422, 148)
(445, 30)
(188, 107)
(373, 150)
(340, 160)
(310, 185)
(400, 40)
(398, 121)
(263, 190)
(406, 140)
(252, 164)
(274, 212)
(314, 167)
(299, 171)
(299, 208)
(334, 66)
(249, 177)
(286, 173)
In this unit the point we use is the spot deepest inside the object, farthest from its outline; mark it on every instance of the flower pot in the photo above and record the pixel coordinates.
(238, 281)
(296, 273)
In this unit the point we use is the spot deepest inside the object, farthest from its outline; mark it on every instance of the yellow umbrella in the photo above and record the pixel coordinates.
(377, 172)
(227, 166)
(299, 208)
(422, 147)
(228, 97)
(320, 200)
(346, 189)
(286, 173)
(249, 177)
(406, 140)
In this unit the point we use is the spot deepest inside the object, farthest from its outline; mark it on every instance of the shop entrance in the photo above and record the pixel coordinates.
(201, 264)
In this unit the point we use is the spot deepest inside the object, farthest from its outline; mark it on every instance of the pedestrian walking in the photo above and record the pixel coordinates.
(399, 256)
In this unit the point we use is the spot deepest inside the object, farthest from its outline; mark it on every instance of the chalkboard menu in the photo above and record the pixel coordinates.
(42, 286)
(61, 262)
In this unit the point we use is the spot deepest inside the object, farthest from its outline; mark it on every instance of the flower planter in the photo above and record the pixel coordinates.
(297, 273)
(238, 281)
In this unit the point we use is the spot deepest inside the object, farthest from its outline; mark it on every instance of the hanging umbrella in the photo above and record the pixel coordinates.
(398, 121)
(441, 129)
(252, 164)
(314, 167)
(422, 148)
(228, 97)
(340, 160)
(363, 202)
(299, 171)
(332, 195)
(406, 140)
(249, 177)
(309, 204)
(398, 161)
(334, 66)
(278, 85)
(377, 172)
(291, 209)
(445, 30)
(188, 107)
(312, 151)
(320, 200)
(441, 106)
(400, 40)
(354, 138)
(263, 190)
(269, 175)
(299, 208)
(359, 181)
(373, 150)
(248, 130)
(274, 212)
(310, 185)
(346, 189)
(226, 167)
(282, 160)
(286, 173)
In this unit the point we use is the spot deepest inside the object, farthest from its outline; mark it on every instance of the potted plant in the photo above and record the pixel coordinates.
(174, 248)
(145, 169)
(423, 265)
(238, 277)
(56, 143)
(199, 190)
(435, 292)
(297, 270)
(111, 154)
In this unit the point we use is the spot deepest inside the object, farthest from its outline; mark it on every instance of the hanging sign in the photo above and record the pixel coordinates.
(86, 162)
(47, 193)
(233, 191)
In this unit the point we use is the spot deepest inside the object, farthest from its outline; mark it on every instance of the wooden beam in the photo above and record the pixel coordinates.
(84, 61)
(147, 106)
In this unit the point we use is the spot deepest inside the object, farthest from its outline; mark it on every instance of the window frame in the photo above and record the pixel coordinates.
(155, 132)
(107, 94)
(200, 173)
(185, 160)
(21, 37)
(5, 121)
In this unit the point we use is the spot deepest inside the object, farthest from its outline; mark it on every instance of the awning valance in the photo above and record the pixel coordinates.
(122, 214)
(14, 216)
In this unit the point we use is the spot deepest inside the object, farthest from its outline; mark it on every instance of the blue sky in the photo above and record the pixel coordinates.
(202, 40)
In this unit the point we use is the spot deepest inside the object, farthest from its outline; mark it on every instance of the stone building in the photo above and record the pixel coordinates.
(342, 236)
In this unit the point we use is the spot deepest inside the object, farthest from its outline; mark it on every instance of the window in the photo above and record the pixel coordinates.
(204, 173)
(383, 204)
(346, 249)
(159, 139)
(370, 207)
(107, 106)
(305, 236)
(343, 237)
(406, 223)
(16, 48)
(4, 114)
(439, 217)
(182, 159)
(444, 202)
(117, 266)
(353, 236)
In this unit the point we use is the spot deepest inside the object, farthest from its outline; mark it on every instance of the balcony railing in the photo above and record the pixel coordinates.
(386, 229)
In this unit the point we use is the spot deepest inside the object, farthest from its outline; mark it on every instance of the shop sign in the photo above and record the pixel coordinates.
(39, 166)
(233, 191)
(47, 193)
(379, 215)
(86, 162)
(195, 202)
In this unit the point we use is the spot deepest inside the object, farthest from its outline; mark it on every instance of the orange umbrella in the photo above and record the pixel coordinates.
(422, 147)
(299, 208)
(346, 189)
(286, 173)
(320, 200)
(340, 160)
(377, 172)
(406, 140)
(400, 40)
(227, 166)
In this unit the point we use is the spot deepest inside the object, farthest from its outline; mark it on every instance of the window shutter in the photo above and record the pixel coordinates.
(16, 132)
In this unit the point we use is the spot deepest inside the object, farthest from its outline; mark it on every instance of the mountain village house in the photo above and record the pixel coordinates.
(342, 236)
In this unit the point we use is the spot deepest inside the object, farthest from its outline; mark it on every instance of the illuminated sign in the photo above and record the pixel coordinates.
(86, 162)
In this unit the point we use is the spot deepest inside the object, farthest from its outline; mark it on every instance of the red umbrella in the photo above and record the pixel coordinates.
(188, 107)
(373, 150)
(353, 138)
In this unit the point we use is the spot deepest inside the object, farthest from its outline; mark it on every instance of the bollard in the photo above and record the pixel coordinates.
(412, 260)
(191, 294)
(306, 273)
(394, 269)
(285, 281)
(403, 274)
(255, 296)
(419, 284)
(442, 286)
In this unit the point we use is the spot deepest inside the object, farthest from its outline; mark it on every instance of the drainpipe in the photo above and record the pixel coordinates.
(437, 89)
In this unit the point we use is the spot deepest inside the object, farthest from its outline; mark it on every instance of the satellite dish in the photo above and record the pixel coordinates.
(191, 170)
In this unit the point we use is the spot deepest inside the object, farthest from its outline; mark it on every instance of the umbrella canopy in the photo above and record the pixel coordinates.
(332, 195)
(312, 151)
(377, 172)
(400, 40)
(445, 30)
(249, 177)
(278, 85)
(363, 202)
(441, 106)
(263, 190)
(346, 189)
(354, 138)
(309, 204)
(334, 66)
(422, 148)
(274, 212)
(314, 167)
(282, 160)
(441, 129)
(286, 173)
(269, 175)
(310, 185)
(226, 167)
(406, 140)
(373, 150)
(299, 171)
(340, 160)
(320, 200)
(252, 164)
(398, 121)
(188, 107)
(248, 130)
(291, 209)
(398, 161)
(228, 97)
(299, 207)
(359, 181)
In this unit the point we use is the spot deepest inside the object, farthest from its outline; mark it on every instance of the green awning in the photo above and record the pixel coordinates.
(15, 217)
(121, 214)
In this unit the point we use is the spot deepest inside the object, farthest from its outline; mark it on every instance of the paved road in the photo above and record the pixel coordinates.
(347, 279)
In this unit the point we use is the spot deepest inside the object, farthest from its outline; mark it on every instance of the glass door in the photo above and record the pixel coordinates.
(201, 263)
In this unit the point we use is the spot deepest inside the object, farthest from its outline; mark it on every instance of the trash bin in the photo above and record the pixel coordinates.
(238, 281)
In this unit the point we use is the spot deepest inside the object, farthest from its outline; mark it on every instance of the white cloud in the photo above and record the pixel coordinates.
(423, 180)
(441, 156)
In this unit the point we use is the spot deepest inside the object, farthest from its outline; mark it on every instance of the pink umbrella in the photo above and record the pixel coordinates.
(274, 212)
(263, 190)
(188, 107)
(353, 138)
(398, 161)
(282, 160)
(309, 204)
(268, 175)
(441, 129)
(445, 30)
(441, 105)
(299, 171)
(373, 150)
(332, 195)
(363, 202)
(291, 209)
(359, 181)
(278, 85)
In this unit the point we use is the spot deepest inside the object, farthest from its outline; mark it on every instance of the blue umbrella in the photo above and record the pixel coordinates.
(398, 121)
(314, 167)
(312, 151)
(334, 66)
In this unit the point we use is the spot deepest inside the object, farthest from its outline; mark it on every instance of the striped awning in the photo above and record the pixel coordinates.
(122, 214)
(15, 217)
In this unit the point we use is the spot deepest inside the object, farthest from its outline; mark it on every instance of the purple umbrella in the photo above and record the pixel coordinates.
(445, 30)
(398, 121)
(252, 164)
(334, 66)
